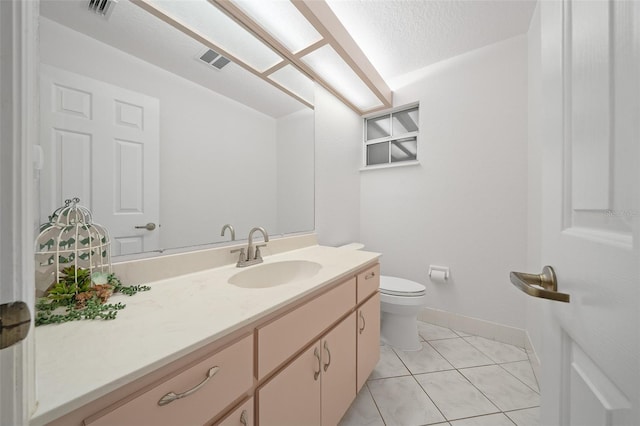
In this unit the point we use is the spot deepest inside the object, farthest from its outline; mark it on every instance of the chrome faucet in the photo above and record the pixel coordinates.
(230, 228)
(251, 257)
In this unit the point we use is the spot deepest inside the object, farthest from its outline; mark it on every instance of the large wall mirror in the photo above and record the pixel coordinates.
(144, 131)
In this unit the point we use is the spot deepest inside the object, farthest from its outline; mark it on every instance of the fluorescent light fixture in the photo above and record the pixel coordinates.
(283, 21)
(292, 79)
(292, 44)
(210, 22)
(334, 70)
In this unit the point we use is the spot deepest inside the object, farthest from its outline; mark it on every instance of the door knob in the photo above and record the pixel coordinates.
(149, 226)
(544, 285)
(15, 322)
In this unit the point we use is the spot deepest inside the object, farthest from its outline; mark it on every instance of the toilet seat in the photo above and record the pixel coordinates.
(395, 286)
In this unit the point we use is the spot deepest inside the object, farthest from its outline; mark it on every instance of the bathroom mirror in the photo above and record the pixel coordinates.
(161, 145)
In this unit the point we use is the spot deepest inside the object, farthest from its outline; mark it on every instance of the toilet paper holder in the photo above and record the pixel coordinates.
(435, 268)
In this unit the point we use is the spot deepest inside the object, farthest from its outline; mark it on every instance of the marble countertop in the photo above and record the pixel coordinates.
(77, 363)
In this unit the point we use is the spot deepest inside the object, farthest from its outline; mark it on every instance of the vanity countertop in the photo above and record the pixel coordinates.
(79, 362)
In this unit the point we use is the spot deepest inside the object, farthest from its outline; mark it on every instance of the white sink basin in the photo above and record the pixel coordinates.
(275, 274)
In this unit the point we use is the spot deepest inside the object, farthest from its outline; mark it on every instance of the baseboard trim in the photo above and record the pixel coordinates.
(478, 327)
(487, 329)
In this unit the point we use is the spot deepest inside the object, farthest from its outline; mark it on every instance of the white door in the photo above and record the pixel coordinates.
(101, 144)
(591, 211)
(18, 131)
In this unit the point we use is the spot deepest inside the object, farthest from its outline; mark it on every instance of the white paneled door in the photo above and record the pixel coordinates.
(101, 144)
(591, 212)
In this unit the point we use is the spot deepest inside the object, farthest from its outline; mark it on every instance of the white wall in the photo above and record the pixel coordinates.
(534, 306)
(201, 133)
(295, 136)
(465, 205)
(338, 158)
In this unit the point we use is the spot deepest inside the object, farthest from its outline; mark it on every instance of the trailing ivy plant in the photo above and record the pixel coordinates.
(81, 295)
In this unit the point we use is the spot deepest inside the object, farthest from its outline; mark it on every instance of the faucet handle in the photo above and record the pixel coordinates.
(258, 255)
(242, 257)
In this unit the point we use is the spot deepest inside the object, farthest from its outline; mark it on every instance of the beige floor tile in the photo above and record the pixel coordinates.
(426, 360)
(363, 411)
(504, 390)
(389, 365)
(434, 332)
(499, 352)
(454, 396)
(523, 371)
(460, 353)
(490, 420)
(402, 402)
(528, 417)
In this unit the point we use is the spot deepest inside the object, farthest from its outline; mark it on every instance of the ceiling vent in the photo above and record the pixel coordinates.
(213, 59)
(102, 7)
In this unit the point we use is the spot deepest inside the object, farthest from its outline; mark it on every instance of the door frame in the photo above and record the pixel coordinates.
(18, 133)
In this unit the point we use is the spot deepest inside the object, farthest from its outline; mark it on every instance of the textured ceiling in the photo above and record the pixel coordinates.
(402, 36)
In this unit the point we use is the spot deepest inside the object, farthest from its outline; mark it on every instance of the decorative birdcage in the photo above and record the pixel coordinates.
(70, 240)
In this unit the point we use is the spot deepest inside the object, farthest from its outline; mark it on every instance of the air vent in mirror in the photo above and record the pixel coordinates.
(102, 7)
(214, 59)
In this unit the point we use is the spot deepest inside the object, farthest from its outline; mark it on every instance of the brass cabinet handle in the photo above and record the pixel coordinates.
(172, 396)
(369, 276)
(317, 355)
(364, 323)
(544, 285)
(326, 348)
(149, 226)
(243, 417)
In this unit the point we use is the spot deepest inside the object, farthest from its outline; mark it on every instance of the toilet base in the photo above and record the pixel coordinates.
(400, 331)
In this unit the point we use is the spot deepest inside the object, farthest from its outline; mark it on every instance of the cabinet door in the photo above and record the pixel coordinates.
(241, 416)
(292, 397)
(368, 333)
(338, 371)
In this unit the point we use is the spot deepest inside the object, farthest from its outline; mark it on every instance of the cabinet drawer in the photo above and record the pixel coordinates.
(368, 282)
(241, 416)
(233, 377)
(280, 339)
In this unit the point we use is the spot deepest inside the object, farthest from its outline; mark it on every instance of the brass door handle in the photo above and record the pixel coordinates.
(544, 285)
(149, 226)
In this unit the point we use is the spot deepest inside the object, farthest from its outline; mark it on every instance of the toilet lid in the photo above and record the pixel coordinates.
(395, 286)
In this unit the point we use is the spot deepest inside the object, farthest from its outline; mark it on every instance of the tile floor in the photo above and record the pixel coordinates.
(456, 379)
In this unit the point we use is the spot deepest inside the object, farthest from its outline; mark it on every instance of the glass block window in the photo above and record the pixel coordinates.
(391, 137)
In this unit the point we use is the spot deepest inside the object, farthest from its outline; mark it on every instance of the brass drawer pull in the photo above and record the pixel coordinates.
(317, 355)
(364, 323)
(172, 396)
(326, 348)
(369, 275)
(542, 285)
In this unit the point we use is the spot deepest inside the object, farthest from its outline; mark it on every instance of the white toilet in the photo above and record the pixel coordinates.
(400, 302)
